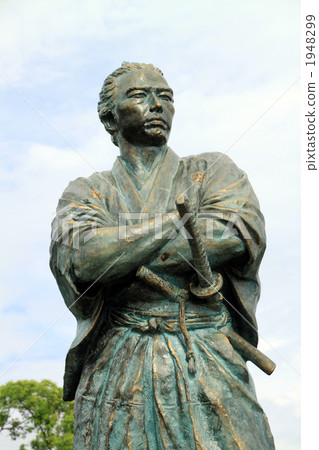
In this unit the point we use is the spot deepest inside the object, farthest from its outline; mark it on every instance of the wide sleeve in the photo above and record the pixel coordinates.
(227, 193)
(81, 209)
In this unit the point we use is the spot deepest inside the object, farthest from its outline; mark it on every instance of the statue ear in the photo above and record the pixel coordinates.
(109, 123)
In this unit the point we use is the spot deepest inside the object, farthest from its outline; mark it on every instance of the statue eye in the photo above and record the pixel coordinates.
(139, 94)
(167, 98)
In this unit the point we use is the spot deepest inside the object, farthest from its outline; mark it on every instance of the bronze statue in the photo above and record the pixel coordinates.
(158, 260)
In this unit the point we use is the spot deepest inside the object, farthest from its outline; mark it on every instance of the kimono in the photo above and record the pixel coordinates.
(126, 367)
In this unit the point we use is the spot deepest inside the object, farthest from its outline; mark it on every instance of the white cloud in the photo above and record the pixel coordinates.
(232, 59)
(38, 38)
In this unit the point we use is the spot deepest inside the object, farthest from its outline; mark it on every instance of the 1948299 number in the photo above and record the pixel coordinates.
(310, 39)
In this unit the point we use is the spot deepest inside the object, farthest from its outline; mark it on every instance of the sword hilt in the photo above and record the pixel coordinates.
(209, 282)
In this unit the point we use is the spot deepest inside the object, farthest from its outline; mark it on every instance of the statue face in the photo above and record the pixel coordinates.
(144, 108)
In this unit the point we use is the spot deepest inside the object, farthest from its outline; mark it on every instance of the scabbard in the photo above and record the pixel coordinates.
(249, 352)
(175, 293)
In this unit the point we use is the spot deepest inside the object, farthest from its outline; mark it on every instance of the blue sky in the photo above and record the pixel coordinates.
(234, 68)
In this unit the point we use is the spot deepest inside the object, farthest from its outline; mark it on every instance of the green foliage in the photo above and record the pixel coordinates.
(28, 406)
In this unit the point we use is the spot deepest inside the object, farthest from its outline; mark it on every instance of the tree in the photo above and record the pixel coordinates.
(28, 406)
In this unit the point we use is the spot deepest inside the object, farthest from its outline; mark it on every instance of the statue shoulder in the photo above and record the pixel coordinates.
(216, 158)
(212, 163)
(96, 185)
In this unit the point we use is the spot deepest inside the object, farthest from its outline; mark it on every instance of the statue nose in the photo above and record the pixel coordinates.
(156, 104)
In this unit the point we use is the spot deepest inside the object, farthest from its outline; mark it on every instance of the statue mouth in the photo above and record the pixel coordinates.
(155, 123)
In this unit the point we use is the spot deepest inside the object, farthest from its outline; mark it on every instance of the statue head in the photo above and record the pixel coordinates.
(137, 103)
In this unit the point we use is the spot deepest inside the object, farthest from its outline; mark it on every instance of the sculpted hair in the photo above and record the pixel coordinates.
(109, 92)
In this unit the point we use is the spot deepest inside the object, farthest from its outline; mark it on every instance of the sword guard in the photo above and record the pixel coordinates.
(207, 293)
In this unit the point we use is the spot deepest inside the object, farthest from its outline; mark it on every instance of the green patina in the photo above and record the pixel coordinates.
(159, 360)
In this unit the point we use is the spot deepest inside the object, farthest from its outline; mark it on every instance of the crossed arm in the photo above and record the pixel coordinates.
(110, 257)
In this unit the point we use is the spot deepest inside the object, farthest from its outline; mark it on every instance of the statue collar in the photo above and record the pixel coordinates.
(158, 191)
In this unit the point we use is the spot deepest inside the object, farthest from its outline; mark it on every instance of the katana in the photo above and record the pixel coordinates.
(209, 285)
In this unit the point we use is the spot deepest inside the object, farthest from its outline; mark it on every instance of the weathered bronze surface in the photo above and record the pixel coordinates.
(165, 323)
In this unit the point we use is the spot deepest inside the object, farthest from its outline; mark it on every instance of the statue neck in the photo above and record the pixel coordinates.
(141, 160)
